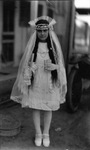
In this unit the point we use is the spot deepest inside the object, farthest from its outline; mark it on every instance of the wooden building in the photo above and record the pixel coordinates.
(15, 30)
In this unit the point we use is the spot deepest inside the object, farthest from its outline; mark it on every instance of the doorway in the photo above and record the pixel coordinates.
(7, 53)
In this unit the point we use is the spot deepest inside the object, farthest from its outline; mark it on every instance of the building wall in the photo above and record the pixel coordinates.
(62, 27)
(22, 34)
(0, 30)
(62, 15)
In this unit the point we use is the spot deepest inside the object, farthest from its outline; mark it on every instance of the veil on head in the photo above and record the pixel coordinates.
(20, 87)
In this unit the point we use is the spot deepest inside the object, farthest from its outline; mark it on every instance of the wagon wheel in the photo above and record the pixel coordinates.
(74, 90)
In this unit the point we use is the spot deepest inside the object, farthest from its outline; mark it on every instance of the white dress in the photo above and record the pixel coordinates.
(43, 95)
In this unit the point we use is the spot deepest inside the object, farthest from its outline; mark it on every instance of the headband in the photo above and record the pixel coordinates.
(42, 27)
(50, 23)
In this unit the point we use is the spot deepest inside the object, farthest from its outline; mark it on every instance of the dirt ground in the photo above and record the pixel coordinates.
(68, 131)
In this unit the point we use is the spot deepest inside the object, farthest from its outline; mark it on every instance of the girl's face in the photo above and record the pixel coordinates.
(42, 34)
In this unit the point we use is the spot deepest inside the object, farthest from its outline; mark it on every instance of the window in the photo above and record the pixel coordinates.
(7, 52)
(40, 10)
(24, 13)
(50, 12)
(8, 16)
(8, 31)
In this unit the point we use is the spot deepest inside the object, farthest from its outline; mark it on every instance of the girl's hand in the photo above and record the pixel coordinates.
(34, 67)
(50, 66)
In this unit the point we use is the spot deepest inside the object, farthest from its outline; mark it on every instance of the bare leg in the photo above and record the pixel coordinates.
(47, 121)
(36, 120)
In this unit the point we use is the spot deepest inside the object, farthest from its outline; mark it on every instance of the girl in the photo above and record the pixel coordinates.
(41, 80)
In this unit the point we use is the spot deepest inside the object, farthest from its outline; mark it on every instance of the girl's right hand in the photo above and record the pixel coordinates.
(34, 67)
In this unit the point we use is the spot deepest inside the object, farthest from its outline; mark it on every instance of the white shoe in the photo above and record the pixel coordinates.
(46, 140)
(38, 140)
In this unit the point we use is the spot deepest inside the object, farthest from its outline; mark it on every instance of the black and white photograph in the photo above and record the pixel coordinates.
(44, 74)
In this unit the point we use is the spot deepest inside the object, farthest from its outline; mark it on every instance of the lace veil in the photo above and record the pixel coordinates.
(20, 87)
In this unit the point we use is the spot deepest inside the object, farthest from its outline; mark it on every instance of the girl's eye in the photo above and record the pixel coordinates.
(39, 31)
(42, 30)
(45, 30)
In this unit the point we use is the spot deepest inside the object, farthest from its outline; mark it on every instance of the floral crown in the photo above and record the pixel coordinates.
(42, 27)
(47, 23)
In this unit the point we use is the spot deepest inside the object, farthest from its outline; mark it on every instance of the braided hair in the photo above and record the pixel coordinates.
(51, 55)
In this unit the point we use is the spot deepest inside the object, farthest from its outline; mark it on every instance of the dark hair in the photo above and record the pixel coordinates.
(42, 21)
(51, 55)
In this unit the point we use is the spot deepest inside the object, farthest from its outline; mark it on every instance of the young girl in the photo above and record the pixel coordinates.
(41, 80)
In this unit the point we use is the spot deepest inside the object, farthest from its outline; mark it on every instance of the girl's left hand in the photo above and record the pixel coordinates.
(50, 66)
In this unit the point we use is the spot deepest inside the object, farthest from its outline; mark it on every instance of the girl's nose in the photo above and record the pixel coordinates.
(42, 32)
